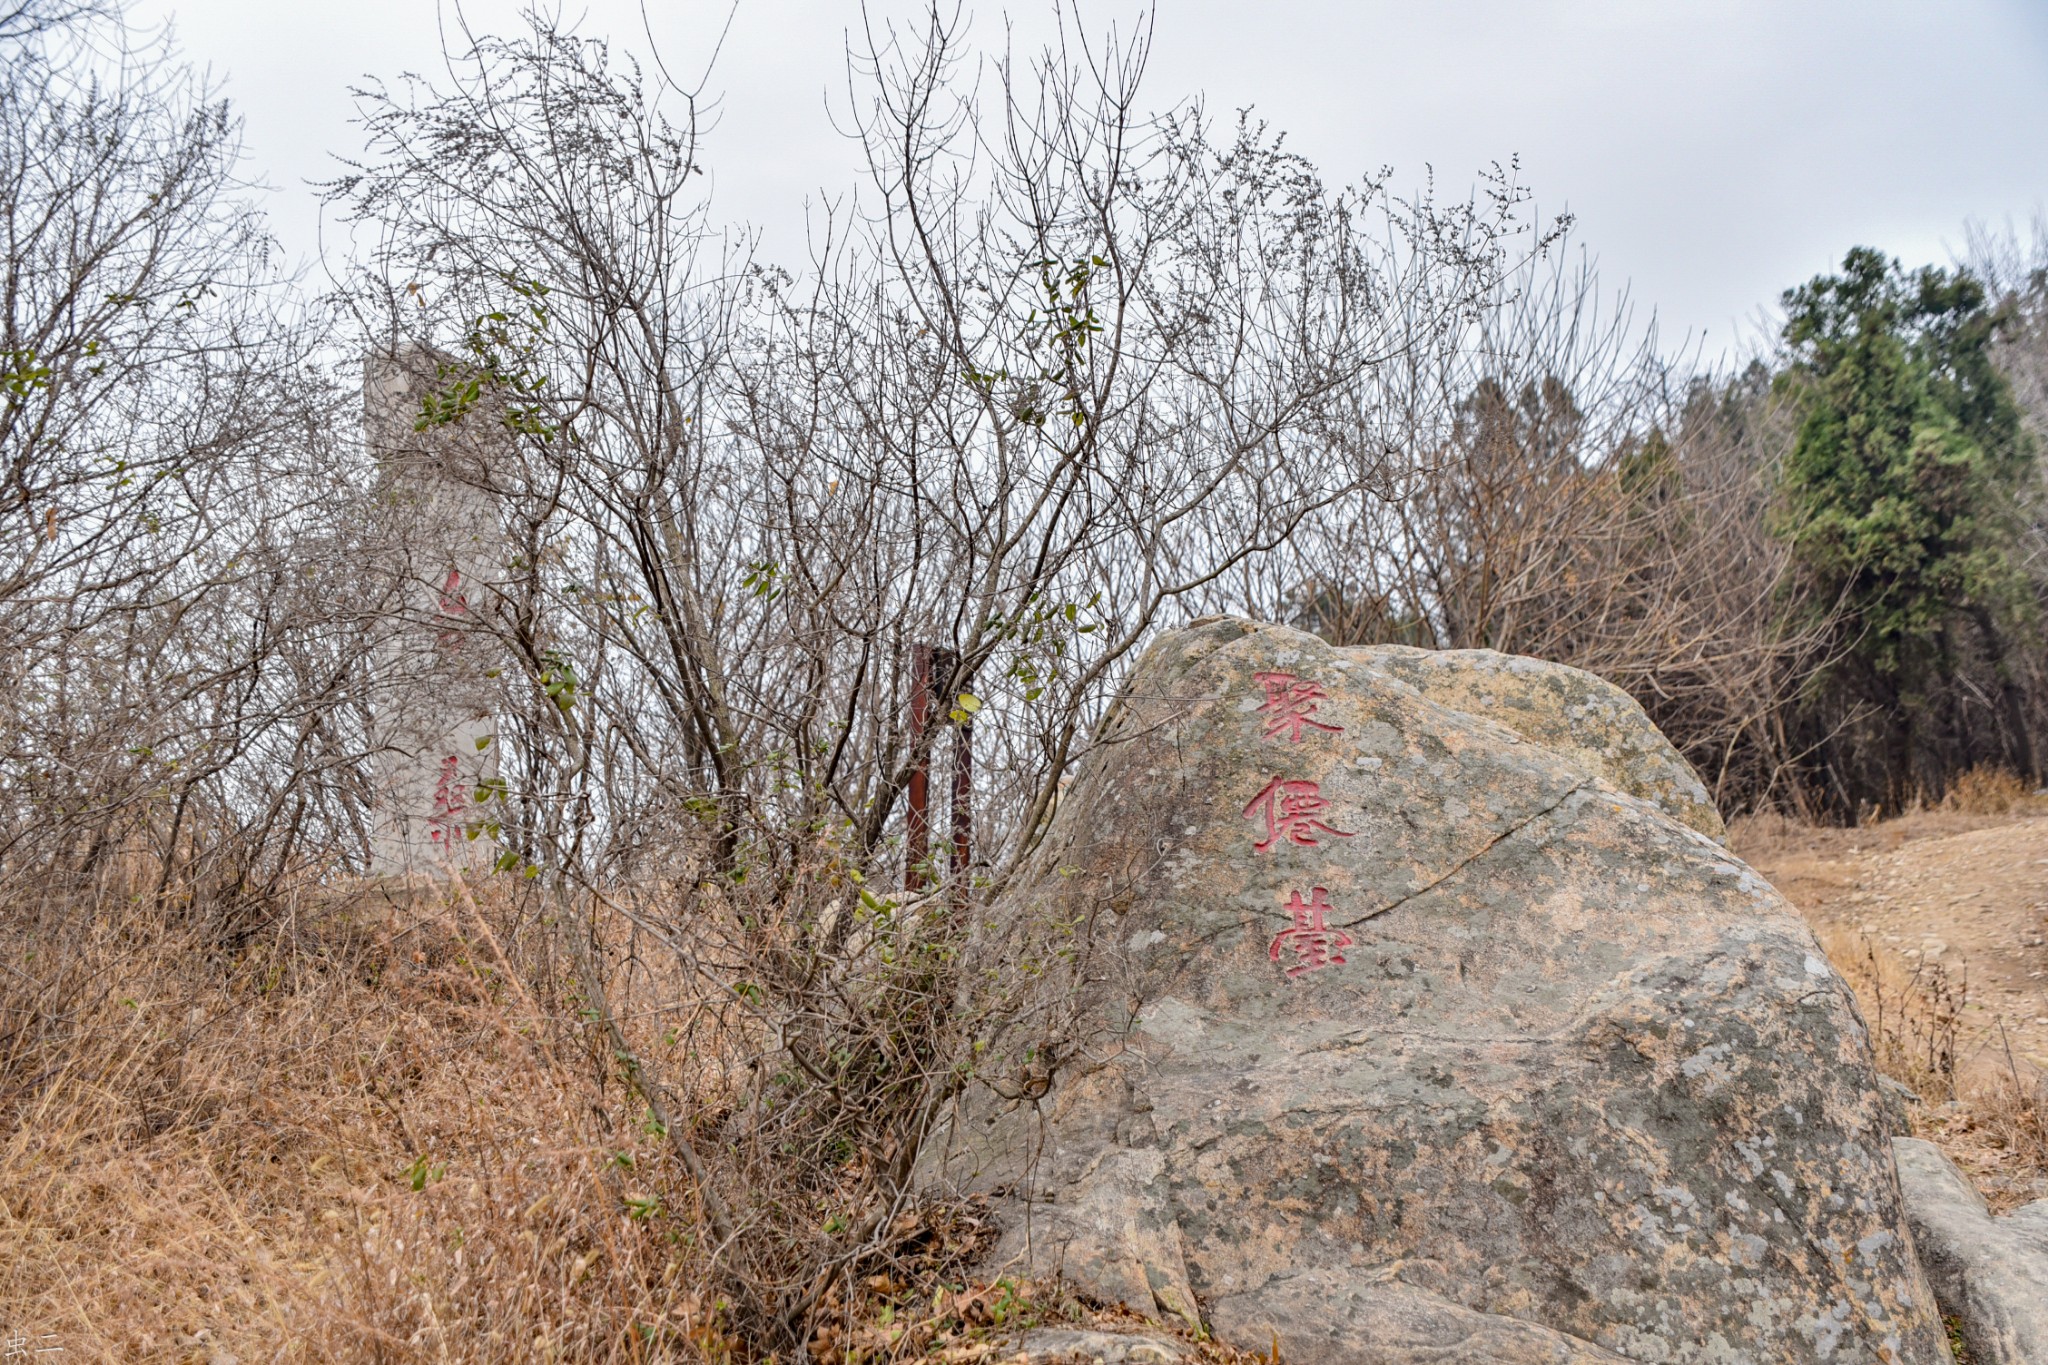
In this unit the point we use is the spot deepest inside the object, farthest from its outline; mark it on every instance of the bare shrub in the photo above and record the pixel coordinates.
(1567, 492)
(1061, 376)
(1988, 1112)
(2010, 1110)
(1915, 1014)
(175, 612)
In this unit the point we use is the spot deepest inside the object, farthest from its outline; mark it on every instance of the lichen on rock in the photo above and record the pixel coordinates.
(1571, 712)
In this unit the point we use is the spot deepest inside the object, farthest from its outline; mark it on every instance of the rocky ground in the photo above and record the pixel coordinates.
(1941, 917)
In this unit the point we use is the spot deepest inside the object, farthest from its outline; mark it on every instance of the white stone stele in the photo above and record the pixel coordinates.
(434, 736)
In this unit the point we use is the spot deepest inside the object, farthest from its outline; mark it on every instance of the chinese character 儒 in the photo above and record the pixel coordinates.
(1292, 811)
(450, 796)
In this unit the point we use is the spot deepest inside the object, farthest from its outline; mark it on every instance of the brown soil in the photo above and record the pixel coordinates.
(1945, 914)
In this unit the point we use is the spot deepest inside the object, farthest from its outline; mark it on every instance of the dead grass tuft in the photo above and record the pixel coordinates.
(1992, 1120)
(1914, 1010)
(1987, 791)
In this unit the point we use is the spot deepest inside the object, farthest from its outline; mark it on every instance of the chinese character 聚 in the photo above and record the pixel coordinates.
(454, 605)
(1289, 704)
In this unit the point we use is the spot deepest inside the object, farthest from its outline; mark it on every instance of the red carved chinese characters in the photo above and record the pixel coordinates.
(454, 605)
(454, 602)
(450, 796)
(1292, 811)
(1290, 706)
(1314, 943)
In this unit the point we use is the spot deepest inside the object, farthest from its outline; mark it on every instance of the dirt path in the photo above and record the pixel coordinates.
(1967, 893)
(1942, 913)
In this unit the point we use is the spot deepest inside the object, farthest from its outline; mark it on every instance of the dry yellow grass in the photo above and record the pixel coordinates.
(1771, 837)
(361, 1139)
(1990, 1119)
(345, 1144)
(1987, 791)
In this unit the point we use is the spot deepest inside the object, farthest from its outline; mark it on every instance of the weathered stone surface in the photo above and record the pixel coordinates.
(1562, 1049)
(1346, 1316)
(1992, 1273)
(1567, 710)
(1060, 1345)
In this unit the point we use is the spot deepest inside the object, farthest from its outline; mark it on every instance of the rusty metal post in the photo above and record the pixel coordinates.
(917, 830)
(963, 810)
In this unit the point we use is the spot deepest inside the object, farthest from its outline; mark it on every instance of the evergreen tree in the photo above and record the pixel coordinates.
(1901, 498)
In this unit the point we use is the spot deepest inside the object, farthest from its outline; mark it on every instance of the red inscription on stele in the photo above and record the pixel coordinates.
(454, 604)
(1290, 705)
(450, 796)
(1292, 811)
(1315, 944)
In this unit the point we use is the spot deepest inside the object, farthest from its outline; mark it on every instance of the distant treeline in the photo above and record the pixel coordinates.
(1824, 575)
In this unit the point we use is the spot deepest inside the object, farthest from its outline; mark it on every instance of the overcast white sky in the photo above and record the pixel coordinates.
(1713, 152)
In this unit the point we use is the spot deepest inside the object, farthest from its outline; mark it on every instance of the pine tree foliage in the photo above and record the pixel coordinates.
(1902, 497)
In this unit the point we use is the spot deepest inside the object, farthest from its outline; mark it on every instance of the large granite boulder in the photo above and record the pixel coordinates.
(1397, 1026)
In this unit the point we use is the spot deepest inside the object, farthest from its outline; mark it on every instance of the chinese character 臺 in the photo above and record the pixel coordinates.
(1290, 703)
(1314, 943)
(1292, 811)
